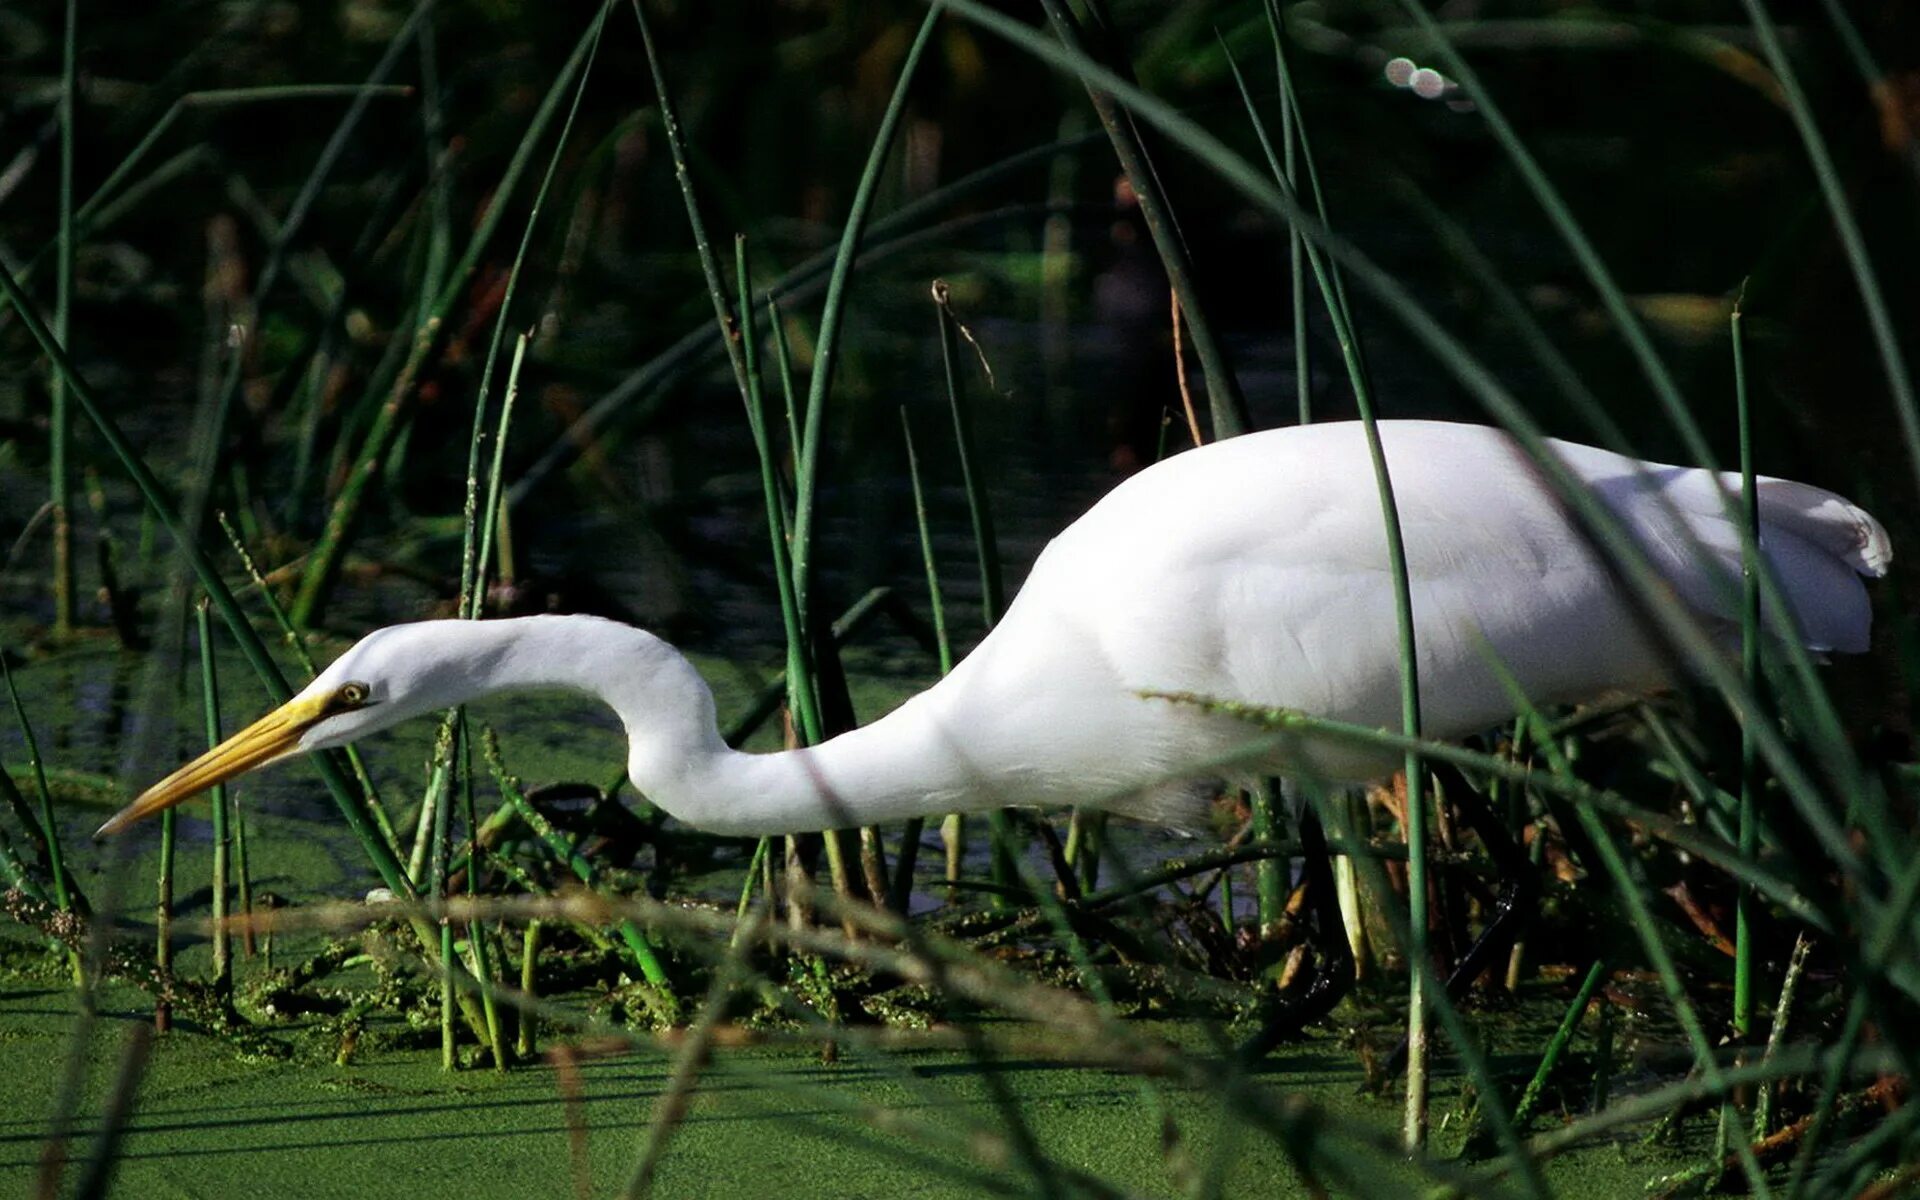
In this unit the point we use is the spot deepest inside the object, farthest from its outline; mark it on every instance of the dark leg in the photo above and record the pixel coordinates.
(1284, 1017)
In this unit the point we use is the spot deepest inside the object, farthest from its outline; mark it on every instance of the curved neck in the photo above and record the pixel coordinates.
(900, 766)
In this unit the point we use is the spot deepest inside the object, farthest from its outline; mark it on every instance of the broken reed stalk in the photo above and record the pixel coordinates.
(163, 926)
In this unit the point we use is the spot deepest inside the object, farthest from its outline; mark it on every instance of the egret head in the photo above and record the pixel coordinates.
(388, 676)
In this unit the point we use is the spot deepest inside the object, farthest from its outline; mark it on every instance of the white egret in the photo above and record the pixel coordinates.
(1251, 570)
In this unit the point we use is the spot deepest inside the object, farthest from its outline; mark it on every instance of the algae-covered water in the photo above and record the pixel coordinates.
(213, 1123)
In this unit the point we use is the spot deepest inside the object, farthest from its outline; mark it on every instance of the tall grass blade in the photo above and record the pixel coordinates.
(217, 801)
(826, 343)
(993, 592)
(494, 511)
(477, 538)
(65, 891)
(59, 423)
(1751, 633)
(19, 876)
(803, 693)
(723, 311)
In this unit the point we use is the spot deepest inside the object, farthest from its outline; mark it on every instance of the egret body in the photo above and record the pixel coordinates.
(1252, 570)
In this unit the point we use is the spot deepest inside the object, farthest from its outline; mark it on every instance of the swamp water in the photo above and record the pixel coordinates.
(210, 1123)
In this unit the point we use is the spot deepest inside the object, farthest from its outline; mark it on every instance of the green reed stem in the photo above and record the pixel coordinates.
(1269, 875)
(993, 597)
(1750, 635)
(18, 873)
(832, 309)
(59, 423)
(477, 930)
(1296, 245)
(902, 891)
(527, 1025)
(723, 312)
(803, 696)
(1294, 109)
(243, 877)
(420, 862)
(65, 891)
(1557, 1044)
(490, 516)
(754, 866)
(936, 604)
(163, 924)
(217, 802)
(1226, 405)
(440, 787)
(18, 877)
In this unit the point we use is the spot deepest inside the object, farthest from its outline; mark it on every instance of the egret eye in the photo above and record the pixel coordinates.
(351, 695)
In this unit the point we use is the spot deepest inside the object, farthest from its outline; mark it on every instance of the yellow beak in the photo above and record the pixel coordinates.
(271, 738)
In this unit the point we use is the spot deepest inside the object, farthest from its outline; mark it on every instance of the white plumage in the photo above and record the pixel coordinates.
(1252, 570)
